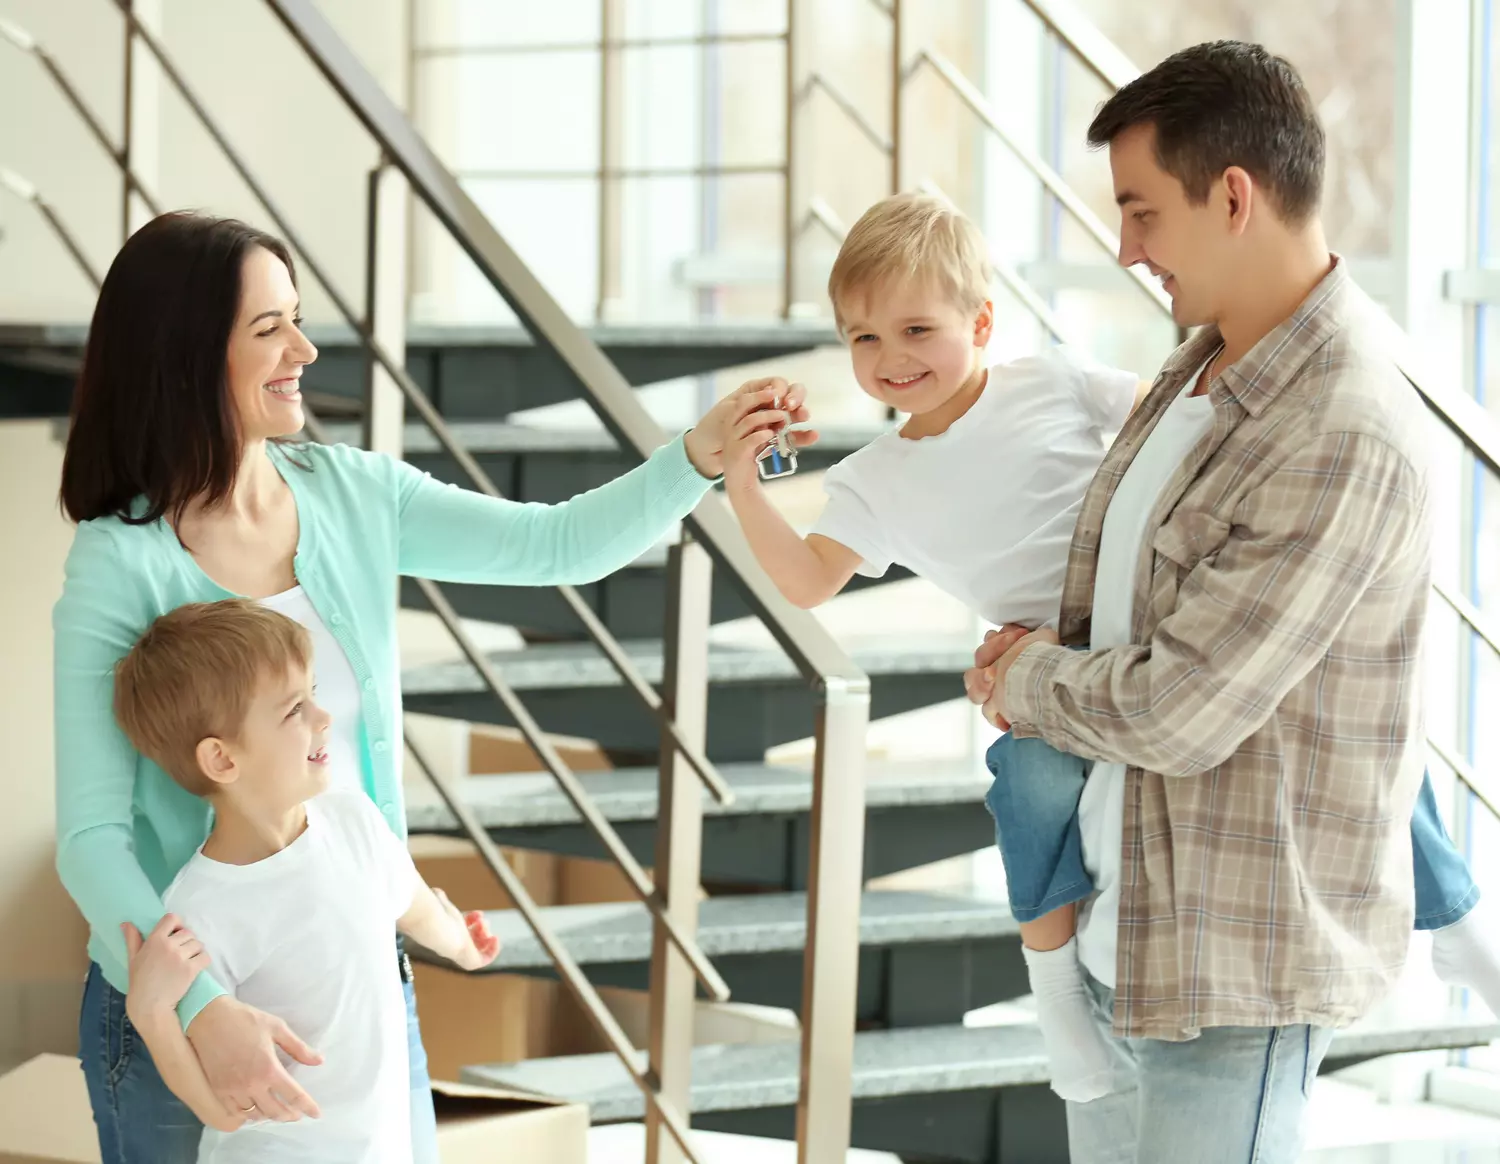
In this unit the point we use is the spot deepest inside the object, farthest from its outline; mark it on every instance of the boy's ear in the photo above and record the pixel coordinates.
(984, 324)
(216, 760)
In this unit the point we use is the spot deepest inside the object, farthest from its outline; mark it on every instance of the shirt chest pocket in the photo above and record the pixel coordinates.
(1189, 538)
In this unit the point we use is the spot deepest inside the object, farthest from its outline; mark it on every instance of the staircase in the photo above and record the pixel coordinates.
(924, 1085)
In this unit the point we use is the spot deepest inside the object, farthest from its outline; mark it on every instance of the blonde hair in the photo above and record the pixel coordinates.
(912, 236)
(193, 675)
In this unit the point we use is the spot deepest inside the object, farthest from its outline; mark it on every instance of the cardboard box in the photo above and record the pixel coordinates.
(478, 1126)
(45, 1119)
(44, 1114)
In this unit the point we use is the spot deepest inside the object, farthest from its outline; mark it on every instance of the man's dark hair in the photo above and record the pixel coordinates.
(1226, 104)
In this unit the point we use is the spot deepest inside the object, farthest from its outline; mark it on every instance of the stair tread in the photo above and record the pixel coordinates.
(520, 800)
(728, 334)
(919, 1060)
(557, 665)
(768, 923)
(484, 436)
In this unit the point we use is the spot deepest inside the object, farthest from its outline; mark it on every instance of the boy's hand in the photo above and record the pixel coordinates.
(162, 967)
(478, 947)
(730, 435)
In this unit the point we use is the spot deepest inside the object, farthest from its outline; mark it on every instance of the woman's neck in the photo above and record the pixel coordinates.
(255, 493)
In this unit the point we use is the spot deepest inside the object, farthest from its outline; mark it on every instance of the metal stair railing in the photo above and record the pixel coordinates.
(841, 689)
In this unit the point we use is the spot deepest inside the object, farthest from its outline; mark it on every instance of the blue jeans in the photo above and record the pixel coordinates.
(140, 1121)
(1034, 800)
(1233, 1094)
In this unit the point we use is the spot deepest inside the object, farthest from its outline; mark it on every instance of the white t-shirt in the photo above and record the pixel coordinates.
(1101, 810)
(338, 689)
(986, 510)
(308, 935)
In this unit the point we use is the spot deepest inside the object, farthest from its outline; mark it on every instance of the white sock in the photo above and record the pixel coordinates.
(1081, 1057)
(1467, 953)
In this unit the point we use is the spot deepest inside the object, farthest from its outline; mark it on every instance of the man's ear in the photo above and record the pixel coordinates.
(1240, 194)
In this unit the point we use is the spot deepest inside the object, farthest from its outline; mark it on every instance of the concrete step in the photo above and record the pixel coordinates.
(757, 698)
(922, 1060)
(915, 813)
(471, 371)
(925, 958)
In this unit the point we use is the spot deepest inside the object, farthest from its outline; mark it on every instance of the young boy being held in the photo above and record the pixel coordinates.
(292, 898)
(979, 492)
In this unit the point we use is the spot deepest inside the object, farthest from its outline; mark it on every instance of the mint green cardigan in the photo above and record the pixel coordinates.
(124, 828)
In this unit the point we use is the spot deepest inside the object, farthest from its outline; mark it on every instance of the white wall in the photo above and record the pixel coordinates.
(42, 959)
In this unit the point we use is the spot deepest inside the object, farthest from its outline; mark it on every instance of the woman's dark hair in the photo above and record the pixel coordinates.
(1227, 103)
(152, 416)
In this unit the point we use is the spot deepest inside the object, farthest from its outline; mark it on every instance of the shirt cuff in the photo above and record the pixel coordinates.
(1027, 687)
(683, 481)
(204, 990)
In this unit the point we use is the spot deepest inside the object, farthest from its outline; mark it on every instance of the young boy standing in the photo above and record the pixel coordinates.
(294, 895)
(979, 492)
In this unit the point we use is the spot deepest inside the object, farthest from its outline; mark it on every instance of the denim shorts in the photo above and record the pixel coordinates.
(1034, 800)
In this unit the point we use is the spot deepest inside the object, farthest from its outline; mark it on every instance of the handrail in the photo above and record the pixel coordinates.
(966, 92)
(418, 399)
(1477, 620)
(1015, 283)
(28, 44)
(817, 80)
(1095, 51)
(611, 648)
(27, 192)
(811, 648)
(842, 689)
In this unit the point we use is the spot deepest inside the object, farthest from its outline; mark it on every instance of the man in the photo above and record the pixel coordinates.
(1249, 573)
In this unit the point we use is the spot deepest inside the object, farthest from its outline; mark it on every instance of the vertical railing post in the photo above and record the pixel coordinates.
(898, 89)
(611, 121)
(386, 228)
(679, 837)
(127, 128)
(831, 961)
(791, 187)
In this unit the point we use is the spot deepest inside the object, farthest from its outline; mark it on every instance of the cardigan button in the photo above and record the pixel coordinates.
(381, 746)
(369, 685)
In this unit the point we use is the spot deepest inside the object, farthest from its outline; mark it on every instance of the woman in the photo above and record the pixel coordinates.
(184, 490)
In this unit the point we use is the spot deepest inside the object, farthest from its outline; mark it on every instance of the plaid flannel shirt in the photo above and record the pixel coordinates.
(1270, 716)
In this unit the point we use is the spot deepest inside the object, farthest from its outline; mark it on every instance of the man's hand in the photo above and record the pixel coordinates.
(162, 967)
(979, 680)
(477, 947)
(985, 681)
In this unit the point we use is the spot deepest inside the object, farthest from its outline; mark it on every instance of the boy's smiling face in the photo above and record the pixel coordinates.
(279, 758)
(913, 348)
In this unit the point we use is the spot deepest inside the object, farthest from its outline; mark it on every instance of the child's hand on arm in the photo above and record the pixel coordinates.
(162, 967)
(463, 938)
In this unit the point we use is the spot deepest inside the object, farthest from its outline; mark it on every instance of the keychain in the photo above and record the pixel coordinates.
(779, 458)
